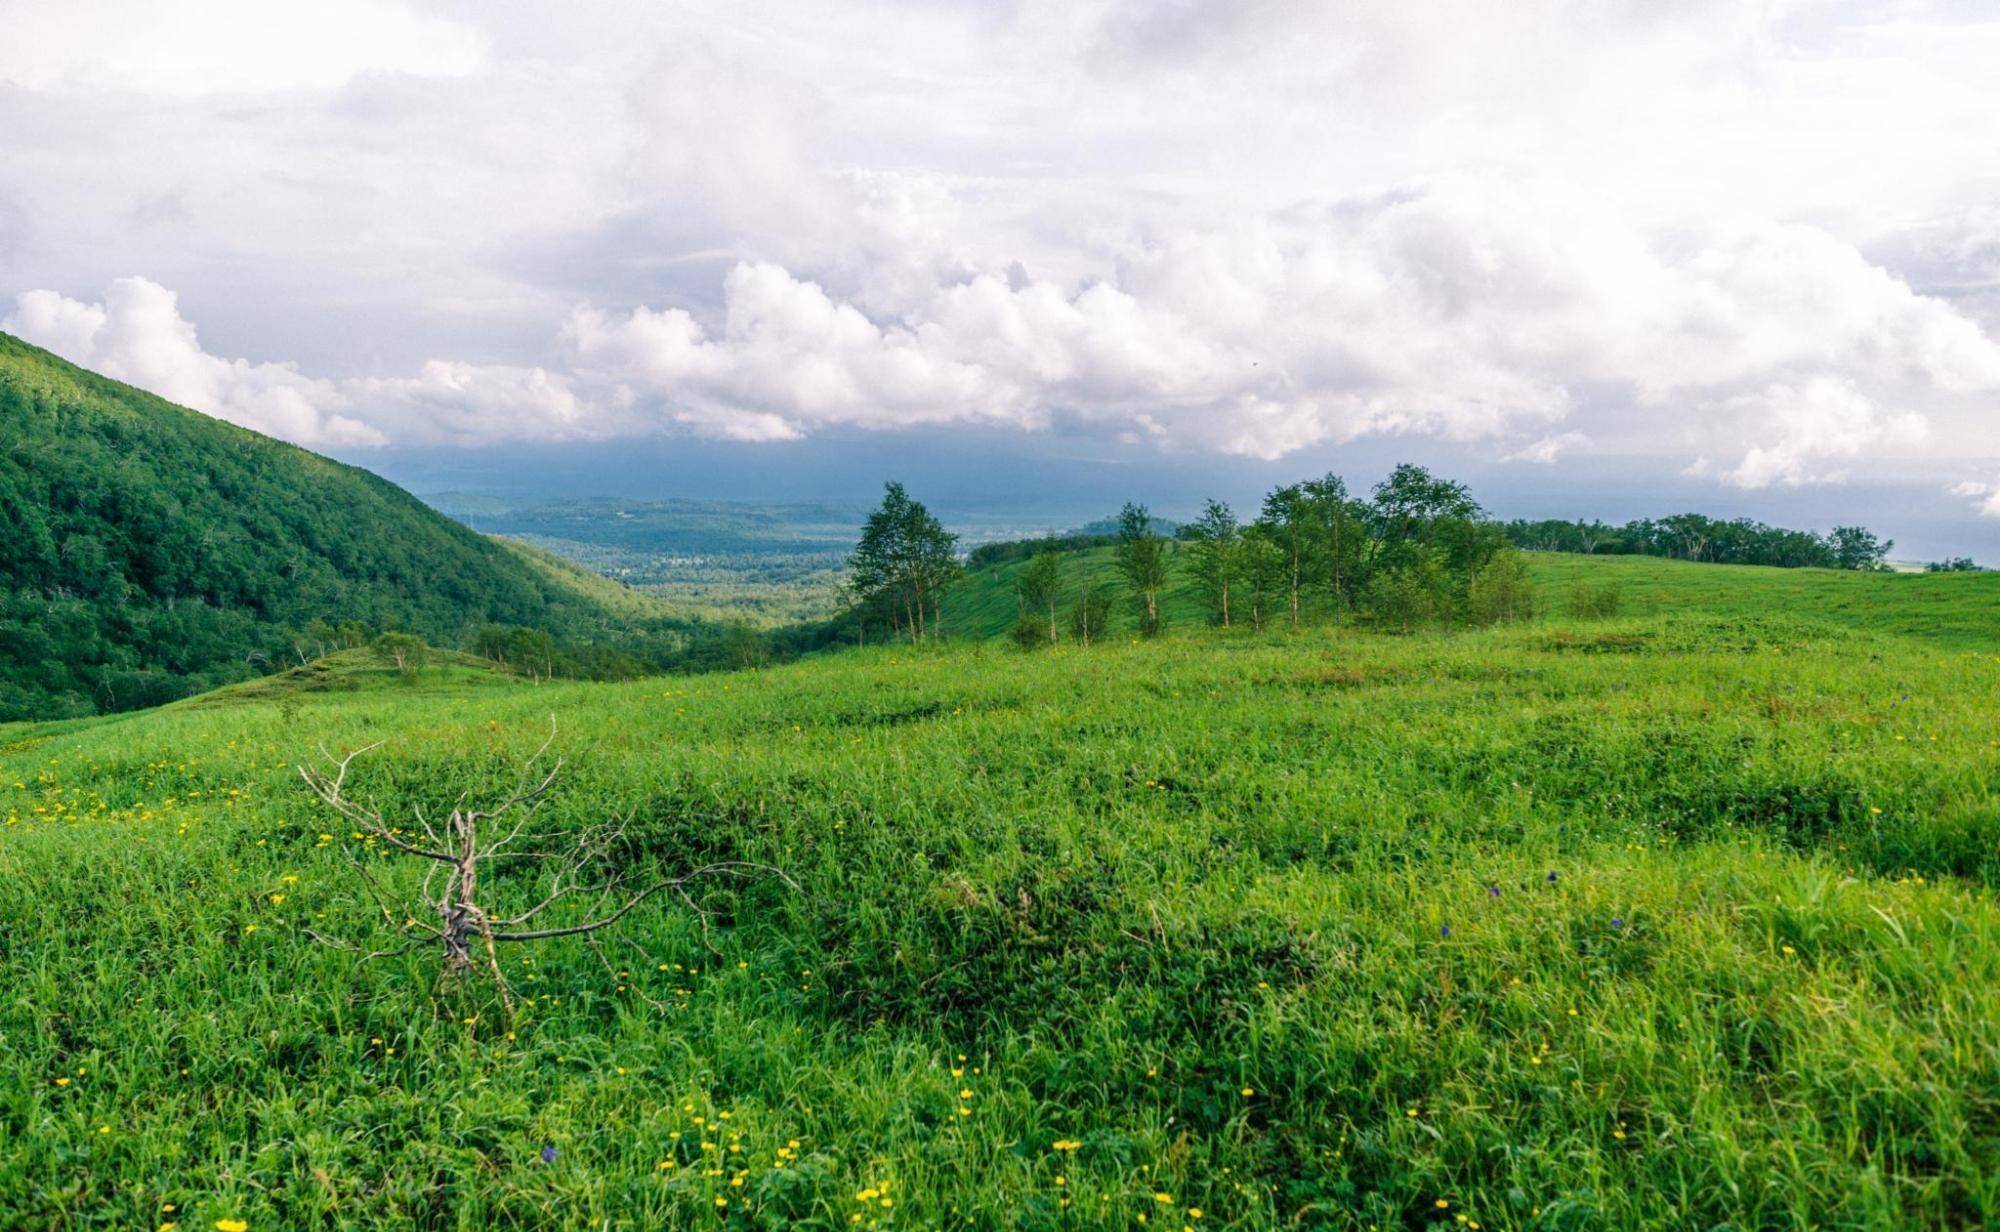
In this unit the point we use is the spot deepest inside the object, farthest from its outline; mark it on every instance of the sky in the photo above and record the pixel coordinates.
(1601, 257)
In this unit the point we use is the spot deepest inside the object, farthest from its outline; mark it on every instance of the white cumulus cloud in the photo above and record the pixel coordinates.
(225, 45)
(1752, 241)
(136, 334)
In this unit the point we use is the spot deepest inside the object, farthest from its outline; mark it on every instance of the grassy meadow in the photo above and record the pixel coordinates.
(1677, 918)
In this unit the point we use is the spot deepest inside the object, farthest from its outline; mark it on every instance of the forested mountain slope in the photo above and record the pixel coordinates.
(148, 552)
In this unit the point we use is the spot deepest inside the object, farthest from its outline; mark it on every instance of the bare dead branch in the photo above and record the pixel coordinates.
(340, 943)
(459, 849)
(597, 948)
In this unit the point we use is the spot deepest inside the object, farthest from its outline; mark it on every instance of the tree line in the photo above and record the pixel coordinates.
(1694, 536)
(1416, 549)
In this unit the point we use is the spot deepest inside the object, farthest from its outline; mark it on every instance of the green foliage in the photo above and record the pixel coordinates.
(1953, 607)
(747, 646)
(405, 650)
(901, 567)
(149, 552)
(1030, 631)
(1266, 574)
(1415, 591)
(1596, 601)
(1141, 553)
(1500, 591)
(1694, 536)
(1090, 611)
(1682, 919)
(1216, 557)
(1037, 588)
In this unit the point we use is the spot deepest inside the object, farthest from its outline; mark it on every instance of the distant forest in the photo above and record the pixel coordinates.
(1694, 536)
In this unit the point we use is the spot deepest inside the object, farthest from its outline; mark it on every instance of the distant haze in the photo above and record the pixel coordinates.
(1012, 485)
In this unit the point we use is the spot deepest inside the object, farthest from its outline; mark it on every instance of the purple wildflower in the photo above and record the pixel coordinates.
(548, 1154)
(1445, 931)
(1617, 921)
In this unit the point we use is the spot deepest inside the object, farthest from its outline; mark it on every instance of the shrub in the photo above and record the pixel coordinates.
(1500, 591)
(1030, 631)
(1599, 602)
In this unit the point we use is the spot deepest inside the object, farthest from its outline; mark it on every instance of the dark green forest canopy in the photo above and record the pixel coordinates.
(148, 552)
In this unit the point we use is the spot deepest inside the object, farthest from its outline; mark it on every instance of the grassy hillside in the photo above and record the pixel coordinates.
(981, 605)
(437, 674)
(1682, 919)
(1957, 608)
(148, 552)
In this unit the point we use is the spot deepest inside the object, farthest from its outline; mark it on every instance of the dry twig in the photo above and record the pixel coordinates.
(461, 845)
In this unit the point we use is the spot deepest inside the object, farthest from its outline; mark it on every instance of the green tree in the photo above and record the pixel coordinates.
(1141, 557)
(1269, 575)
(1037, 586)
(1336, 529)
(747, 647)
(1499, 592)
(405, 650)
(1413, 509)
(1417, 591)
(903, 563)
(1090, 615)
(321, 638)
(1856, 547)
(1217, 550)
(1286, 523)
(532, 651)
(488, 641)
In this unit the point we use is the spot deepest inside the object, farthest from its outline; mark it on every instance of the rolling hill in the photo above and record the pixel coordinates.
(1958, 609)
(1682, 918)
(149, 552)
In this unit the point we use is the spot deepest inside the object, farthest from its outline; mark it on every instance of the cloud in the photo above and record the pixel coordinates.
(1251, 228)
(1545, 451)
(136, 334)
(1985, 497)
(226, 46)
(1467, 311)
(1534, 319)
(1807, 426)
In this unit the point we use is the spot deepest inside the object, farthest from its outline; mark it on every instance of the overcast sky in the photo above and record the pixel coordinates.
(1742, 248)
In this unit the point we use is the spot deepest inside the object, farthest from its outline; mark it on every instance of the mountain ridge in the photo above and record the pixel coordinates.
(150, 552)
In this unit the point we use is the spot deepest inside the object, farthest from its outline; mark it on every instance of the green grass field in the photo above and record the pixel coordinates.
(1680, 919)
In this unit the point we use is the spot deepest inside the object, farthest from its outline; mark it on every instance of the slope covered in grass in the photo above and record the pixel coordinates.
(1952, 608)
(1679, 920)
(434, 673)
(148, 552)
